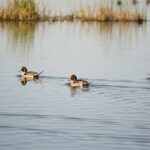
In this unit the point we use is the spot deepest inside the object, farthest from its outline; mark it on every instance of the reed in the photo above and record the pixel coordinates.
(86, 14)
(105, 14)
(26, 10)
(19, 10)
(111, 13)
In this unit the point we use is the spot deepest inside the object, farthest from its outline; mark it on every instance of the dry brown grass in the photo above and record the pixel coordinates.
(20, 10)
(108, 13)
(25, 10)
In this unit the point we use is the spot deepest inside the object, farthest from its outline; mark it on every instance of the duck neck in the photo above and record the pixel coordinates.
(22, 73)
(72, 81)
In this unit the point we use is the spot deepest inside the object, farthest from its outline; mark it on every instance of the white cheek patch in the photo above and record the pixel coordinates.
(22, 73)
(71, 81)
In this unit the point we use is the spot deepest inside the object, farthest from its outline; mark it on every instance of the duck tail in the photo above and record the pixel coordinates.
(40, 73)
(90, 82)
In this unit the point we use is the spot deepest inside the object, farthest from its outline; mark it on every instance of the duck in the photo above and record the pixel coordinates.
(29, 75)
(74, 82)
(148, 78)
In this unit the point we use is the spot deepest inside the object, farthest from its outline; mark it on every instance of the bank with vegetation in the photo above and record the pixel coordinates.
(27, 10)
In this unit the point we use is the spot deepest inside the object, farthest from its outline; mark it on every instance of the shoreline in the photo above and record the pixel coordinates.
(27, 10)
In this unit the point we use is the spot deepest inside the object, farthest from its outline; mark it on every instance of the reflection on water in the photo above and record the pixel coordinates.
(24, 81)
(113, 113)
(21, 34)
(78, 91)
(121, 31)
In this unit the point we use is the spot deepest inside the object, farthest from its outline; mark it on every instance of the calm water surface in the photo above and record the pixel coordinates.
(113, 113)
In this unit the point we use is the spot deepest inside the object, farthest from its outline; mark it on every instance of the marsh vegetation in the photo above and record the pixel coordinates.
(19, 10)
(25, 10)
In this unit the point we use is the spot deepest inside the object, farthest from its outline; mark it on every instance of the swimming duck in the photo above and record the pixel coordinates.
(29, 75)
(74, 82)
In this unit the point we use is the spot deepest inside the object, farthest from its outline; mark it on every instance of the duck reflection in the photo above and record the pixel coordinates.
(24, 81)
(78, 90)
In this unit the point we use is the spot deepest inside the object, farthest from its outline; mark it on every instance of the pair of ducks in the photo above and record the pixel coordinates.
(31, 75)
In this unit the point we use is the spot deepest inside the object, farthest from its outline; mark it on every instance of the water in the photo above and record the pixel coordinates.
(113, 113)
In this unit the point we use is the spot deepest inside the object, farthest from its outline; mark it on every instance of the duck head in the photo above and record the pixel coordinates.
(73, 78)
(23, 71)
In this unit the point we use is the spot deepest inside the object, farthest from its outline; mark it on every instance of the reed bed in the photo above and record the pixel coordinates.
(25, 10)
(106, 12)
(20, 10)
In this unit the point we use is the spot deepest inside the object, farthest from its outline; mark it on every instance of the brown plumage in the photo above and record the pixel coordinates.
(29, 75)
(74, 82)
